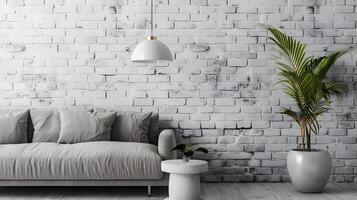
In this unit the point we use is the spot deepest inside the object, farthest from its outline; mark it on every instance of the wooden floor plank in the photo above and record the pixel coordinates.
(210, 191)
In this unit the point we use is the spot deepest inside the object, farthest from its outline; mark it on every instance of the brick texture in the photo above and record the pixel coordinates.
(219, 91)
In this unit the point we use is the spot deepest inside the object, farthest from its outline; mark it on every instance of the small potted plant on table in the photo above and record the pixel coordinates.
(304, 81)
(188, 150)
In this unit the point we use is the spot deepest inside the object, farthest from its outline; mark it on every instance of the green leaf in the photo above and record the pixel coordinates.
(327, 62)
(180, 147)
(203, 150)
(292, 114)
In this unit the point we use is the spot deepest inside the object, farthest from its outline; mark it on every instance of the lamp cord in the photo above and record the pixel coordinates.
(152, 17)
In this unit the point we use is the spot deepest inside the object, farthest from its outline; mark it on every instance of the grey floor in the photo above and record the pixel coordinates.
(216, 191)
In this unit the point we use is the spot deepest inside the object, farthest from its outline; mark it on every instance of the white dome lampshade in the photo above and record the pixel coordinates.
(151, 51)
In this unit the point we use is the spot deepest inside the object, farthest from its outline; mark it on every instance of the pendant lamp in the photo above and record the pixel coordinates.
(151, 50)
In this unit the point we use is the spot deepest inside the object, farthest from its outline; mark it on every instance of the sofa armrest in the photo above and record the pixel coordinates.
(167, 141)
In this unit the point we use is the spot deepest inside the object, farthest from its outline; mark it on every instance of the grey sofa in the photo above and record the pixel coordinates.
(104, 163)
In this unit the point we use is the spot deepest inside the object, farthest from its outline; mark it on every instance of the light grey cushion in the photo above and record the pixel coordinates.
(131, 127)
(82, 126)
(13, 125)
(81, 161)
(46, 123)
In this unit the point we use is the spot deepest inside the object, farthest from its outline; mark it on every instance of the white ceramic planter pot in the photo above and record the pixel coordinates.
(309, 171)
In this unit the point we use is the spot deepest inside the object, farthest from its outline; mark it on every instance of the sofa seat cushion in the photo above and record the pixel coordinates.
(81, 161)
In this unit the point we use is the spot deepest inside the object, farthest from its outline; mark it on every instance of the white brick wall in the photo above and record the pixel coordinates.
(218, 91)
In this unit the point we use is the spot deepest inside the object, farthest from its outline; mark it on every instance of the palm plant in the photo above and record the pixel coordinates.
(304, 80)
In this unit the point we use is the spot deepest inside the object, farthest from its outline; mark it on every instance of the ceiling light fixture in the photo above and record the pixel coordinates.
(151, 50)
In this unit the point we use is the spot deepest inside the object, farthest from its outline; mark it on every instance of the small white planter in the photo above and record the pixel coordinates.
(309, 171)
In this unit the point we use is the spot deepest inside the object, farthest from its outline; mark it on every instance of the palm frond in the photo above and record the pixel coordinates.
(332, 87)
(292, 50)
(292, 114)
(326, 62)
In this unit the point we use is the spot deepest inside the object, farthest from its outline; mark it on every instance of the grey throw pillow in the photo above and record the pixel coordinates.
(81, 126)
(131, 127)
(13, 126)
(154, 129)
(46, 124)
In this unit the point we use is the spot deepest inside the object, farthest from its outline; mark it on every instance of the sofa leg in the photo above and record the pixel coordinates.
(149, 190)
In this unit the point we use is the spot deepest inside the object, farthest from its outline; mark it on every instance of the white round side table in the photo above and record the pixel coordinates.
(184, 182)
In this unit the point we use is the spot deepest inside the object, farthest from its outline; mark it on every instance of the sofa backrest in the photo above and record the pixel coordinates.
(153, 129)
